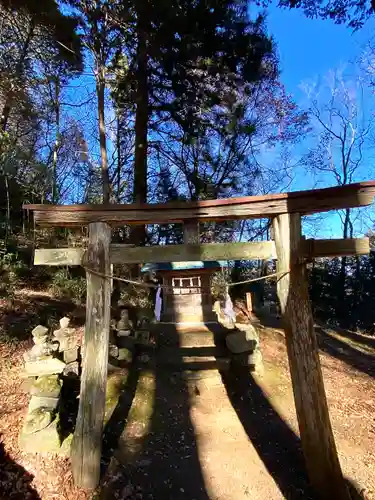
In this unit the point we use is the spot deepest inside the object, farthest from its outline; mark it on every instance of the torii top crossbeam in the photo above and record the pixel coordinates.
(250, 207)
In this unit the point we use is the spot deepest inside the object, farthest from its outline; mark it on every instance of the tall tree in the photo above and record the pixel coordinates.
(343, 127)
(27, 38)
(102, 40)
(188, 66)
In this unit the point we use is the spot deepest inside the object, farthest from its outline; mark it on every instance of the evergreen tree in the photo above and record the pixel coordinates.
(187, 63)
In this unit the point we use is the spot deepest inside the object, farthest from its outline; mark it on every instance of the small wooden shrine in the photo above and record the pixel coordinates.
(186, 296)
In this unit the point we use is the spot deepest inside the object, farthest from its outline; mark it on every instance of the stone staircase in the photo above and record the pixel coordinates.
(191, 347)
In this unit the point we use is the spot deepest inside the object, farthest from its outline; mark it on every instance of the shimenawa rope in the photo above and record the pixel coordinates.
(152, 285)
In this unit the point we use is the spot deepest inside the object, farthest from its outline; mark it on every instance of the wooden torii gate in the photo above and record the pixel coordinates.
(290, 249)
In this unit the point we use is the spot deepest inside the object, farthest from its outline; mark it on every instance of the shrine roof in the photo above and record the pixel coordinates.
(182, 266)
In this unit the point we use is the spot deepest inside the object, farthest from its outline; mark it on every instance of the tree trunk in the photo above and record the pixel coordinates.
(118, 147)
(8, 219)
(8, 102)
(100, 89)
(141, 125)
(347, 233)
(57, 142)
(6, 112)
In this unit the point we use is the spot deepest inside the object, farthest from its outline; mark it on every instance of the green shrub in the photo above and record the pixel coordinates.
(64, 284)
(12, 267)
(219, 282)
(137, 296)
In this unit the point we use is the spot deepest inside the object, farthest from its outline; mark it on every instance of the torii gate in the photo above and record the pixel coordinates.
(290, 249)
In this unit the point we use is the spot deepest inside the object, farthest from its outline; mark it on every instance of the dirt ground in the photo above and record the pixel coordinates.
(219, 438)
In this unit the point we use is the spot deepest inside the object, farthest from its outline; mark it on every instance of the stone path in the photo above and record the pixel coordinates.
(201, 435)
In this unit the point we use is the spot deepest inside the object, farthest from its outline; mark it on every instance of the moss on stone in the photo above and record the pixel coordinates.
(47, 386)
(116, 383)
(66, 445)
(37, 419)
(143, 403)
(139, 418)
(46, 440)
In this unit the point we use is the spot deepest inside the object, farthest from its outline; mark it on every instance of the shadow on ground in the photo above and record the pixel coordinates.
(118, 419)
(357, 338)
(276, 443)
(336, 348)
(15, 481)
(157, 454)
(345, 352)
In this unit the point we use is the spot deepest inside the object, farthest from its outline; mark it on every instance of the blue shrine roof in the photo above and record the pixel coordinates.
(181, 266)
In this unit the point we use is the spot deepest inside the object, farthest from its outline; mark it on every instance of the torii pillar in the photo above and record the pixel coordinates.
(308, 387)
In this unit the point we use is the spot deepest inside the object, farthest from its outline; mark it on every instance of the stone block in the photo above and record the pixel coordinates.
(253, 360)
(39, 331)
(40, 340)
(245, 340)
(113, 368)
(46, 440)
(46, 365)
(70, 355)
(27, 383)
(125, 354)
(128, 342)
(247, 327)
(39, 351)
(113, 351)
(37, 419)
(64, 322)
(144, 358)
(67, 338)
(48, 386)
(64, 451)
(124, 323)
(38, 402)
(124, 333)
(71, 369)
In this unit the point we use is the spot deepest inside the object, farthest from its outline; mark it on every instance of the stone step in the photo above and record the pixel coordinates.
(192, 336)
(196, 351)
(189, 317)
(187, 326)
(193, 358)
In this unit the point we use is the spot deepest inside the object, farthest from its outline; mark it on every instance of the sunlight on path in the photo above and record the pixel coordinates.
(231, 466)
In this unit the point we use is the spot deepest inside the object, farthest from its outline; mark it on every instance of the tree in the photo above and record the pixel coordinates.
(225, 162)
(102, 40)
(343, 127)
(28, 38)
(189, 66)
(353, 13)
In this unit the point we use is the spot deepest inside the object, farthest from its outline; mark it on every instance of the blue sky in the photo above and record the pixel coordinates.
(308, 49)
